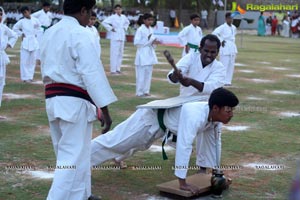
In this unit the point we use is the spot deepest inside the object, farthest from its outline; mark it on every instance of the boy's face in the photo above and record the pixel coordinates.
(223, 114)
(46, 8)
(229, 20)
(148, 22)
(196, 21)
(118, 10)
(92, 20)
(26, 13)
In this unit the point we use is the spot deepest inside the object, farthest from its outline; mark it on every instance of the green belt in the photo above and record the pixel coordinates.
(196, 47)
(160, 117)
(45, 28)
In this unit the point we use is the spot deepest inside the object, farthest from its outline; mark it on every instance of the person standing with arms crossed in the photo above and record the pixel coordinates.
(75, 83)
(117, 24)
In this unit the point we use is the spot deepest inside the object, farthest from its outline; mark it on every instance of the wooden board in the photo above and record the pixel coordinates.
(201, 180)
(172, 102)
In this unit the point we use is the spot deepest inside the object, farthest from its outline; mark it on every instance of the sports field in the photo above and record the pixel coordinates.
(260, 147)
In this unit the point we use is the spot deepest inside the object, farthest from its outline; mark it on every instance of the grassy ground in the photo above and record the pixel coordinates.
(265, 65)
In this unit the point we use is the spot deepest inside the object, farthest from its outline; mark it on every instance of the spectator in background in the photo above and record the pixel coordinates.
(279, 16)
(261, 29)
(204, 15)
(274, 25)
(295, 25)
(268, 25)
(285, 27)
(172, 16)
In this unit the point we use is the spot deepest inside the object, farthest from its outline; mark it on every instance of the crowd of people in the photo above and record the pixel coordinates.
(279, 23)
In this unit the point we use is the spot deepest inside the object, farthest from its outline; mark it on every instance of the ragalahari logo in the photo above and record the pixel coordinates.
(237, 10)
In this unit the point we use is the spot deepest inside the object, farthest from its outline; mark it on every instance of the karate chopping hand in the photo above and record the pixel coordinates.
(105, 119)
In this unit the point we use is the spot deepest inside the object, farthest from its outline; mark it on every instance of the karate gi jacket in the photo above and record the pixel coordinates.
(190, 34)
(226, 33)
(145, 54)
(213, 75)
(68, 55)
(7, 36)
(119, 24)
(45, 18)
(30, 28)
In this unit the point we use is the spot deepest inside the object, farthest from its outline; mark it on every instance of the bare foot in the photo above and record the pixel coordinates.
(192, 188)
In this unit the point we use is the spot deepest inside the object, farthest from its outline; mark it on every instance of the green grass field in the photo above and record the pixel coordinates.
(266, 80)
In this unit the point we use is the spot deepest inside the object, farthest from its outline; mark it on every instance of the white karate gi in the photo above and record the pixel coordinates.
(45, 19)
(7, 36)
(145, 59)
(212, 76)
(190, 35)
(228, 52)
(96, 37)
(30, 28)
(68, 55)
(141, 129)
(117, 39)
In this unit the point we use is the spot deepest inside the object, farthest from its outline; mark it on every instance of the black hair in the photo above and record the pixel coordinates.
(228, 14)
(147, 16)
(117, 6)
(74, 6)
(23, 9)
(46, 4)
(222, 97)
(93, 14)
(212, 38)
(193, 16)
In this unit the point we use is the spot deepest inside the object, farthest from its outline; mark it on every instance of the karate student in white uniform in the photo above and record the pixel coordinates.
(145, 57)
(207, 74)
(8, 39)
(141, 129)
(94, 32)
(117, 25)
(27, 28)
(74, 81)
(191, 35)
(45, 18)
(226, 33)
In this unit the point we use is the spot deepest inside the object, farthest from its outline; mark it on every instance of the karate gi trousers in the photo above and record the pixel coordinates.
(27, 64)
(116, 55)
(143, 79)
(2, 80)
(228, 61)
(71, 133)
